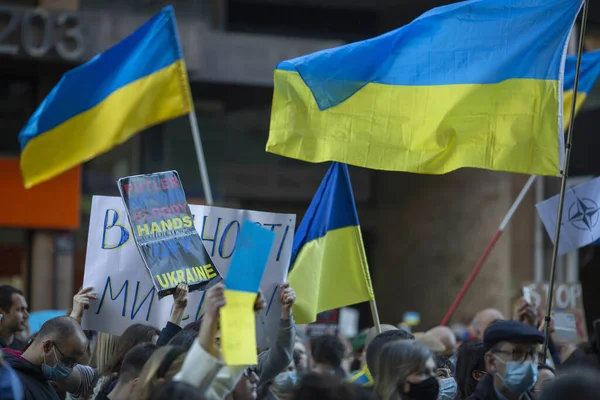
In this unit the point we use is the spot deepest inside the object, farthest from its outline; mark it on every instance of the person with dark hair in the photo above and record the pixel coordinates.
(511, 358)
(470, 367)
(577, 383)
(14, 316)
(315, 386)
(52, 356)
(132, 365)
(363, 377)
(327, 353)
(133, 335)
(381, 340)
(185, 339)
(172, 390)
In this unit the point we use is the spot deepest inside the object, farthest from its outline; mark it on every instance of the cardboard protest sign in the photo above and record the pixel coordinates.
(163, 228)
(127, 295)
(238, 338)
(568, 304)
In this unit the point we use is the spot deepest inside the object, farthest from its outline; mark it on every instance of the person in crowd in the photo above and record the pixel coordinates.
(358, 352)
(447, 337)
(52, 356)
(282, 386)
(577, 383)
(546, 375)
(176, 391)
(13, 319)
(314, 386)
(379, 342)
(133, 335)
(180, 301)
(162, 366)
(470, 367)
(205, 351)
(11, 387)
(405, 370)
(247, 386)
(483, 319)
(431, 342)
(300, 358)
(327, 353)
(572, 355)
(131, 368)
(510, 358)
(363, 377)
(106, 345)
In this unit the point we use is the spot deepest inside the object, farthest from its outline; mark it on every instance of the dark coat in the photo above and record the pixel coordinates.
(35, 384)
(485, 390)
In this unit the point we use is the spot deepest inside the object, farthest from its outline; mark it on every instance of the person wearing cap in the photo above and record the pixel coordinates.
(511, 362)
(363, 376)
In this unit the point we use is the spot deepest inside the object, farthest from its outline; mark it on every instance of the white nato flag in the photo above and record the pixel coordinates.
(581, 211)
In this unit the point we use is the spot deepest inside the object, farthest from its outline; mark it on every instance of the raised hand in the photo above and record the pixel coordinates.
(81, 302)
(287, 299)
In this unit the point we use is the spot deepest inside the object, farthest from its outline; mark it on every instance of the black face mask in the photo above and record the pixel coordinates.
(426, 390)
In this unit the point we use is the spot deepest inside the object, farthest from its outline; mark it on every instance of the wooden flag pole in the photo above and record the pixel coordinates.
(375, 315)
(200, 157)
(563, 184)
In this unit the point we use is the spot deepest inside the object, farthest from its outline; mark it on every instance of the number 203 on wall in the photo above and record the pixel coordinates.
(36, 32)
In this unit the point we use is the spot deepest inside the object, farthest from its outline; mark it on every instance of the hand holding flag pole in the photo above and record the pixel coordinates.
(563, 184)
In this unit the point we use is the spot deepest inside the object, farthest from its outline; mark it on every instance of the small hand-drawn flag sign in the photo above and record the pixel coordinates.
(163, 228)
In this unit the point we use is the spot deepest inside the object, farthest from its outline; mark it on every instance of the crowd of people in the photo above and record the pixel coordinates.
(501, 359)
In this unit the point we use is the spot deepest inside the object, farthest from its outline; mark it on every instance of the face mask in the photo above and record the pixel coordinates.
(519, 377)
(285, 381)
(56, 373)
(426, 390)
(448, 389)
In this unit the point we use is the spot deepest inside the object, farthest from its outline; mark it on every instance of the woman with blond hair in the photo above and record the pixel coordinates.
(405, 370)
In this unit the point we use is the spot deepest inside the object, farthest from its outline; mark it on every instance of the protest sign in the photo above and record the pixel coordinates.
(126, 294)
(163, 229)
(567, 300)
(327, 323)
(238, 332)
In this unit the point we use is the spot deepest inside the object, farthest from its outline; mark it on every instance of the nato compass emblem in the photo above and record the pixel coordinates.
(583, 214)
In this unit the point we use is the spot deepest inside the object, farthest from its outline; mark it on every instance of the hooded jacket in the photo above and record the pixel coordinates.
(35, 384)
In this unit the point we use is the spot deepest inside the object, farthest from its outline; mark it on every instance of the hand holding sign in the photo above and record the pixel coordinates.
(81, 302)
(238, 334)
(215, 300)
(287, 298)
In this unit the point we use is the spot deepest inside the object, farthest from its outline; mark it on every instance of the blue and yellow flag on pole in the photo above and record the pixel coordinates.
(139, 82)
(329, 266)
(588, 75)
(472, 84)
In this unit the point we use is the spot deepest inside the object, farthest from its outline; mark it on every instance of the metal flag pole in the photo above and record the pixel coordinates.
(488, 250)
(200, 156)
(375, 314)
(563, 184)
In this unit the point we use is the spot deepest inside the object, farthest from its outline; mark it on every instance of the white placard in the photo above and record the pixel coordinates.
(115, 269)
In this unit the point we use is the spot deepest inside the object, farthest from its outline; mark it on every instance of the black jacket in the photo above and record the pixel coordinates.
(485, 390)
(35, 385)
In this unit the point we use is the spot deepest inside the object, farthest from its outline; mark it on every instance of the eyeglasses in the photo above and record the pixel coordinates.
(68, 362)
(520, 355)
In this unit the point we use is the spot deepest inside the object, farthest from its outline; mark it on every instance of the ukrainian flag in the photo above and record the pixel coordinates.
(140, 82)
(329, 266)
(472, 84)
(588, 75)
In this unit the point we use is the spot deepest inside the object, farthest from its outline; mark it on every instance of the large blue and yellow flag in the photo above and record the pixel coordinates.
(588, 75)
(472, 84)
(329, 266)
(139, 82)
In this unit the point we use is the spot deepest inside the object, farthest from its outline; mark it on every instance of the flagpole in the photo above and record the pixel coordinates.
(488, 250)
(200, 157)
(375, 315)
(563, 183)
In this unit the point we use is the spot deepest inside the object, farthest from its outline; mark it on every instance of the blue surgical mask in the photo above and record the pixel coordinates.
(56, 373)
(519, 377)
(448, 389)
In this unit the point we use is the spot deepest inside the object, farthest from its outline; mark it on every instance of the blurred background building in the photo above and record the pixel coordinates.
(423, 234)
